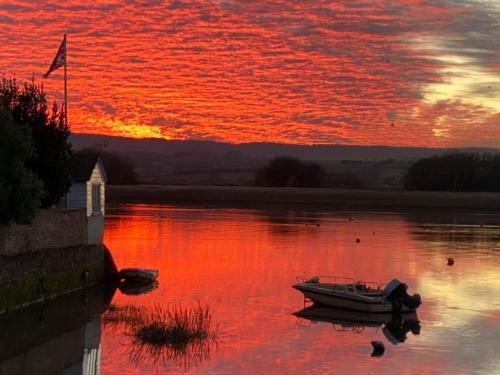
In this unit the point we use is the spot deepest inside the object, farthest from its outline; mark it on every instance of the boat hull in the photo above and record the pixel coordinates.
(346, 301)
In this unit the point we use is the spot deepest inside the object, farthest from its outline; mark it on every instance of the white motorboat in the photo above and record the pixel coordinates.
(345, 293)
(138, 275)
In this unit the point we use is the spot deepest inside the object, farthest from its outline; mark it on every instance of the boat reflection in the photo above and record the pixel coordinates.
(135, 289)
(394, 326)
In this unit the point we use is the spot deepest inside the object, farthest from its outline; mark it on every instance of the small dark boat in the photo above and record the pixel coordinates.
(138, 275)
(345, 293)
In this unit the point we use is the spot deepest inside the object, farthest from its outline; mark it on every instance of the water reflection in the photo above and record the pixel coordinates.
(157, 357)
(242, 262)
(395, 326)
(159, 336)
(136, 289)
(59, 336)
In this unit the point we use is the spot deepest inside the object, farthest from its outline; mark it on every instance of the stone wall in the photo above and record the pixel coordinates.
(30, 277)
(51, 229)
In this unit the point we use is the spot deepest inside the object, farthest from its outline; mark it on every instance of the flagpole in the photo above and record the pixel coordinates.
(65, 83)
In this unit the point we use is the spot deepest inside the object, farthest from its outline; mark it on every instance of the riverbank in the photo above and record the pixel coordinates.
(344, 198)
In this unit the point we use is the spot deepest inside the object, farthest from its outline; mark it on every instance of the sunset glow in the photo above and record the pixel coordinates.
(413, 73)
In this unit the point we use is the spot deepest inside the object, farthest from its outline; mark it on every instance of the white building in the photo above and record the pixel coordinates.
(88, 191)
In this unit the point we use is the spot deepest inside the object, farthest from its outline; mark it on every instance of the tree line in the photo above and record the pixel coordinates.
(456, 172)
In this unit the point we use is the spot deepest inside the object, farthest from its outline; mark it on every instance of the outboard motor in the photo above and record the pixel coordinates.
(396, 292)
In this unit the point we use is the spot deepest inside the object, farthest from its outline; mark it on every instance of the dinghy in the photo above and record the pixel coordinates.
(345, 293)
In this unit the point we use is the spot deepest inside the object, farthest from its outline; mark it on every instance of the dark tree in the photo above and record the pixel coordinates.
(455, 172)
(20, 189)
(119, 169)
(287, 171)
(310, 175)
(50, 160)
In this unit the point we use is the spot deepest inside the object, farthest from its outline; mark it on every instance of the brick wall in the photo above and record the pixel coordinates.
(52, 228)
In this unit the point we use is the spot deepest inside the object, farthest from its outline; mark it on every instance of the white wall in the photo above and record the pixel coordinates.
(80, 196)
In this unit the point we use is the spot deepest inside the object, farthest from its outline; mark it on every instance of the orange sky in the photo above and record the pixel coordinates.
(412, 73)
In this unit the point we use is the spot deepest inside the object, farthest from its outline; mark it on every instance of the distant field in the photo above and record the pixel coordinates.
(346, 198)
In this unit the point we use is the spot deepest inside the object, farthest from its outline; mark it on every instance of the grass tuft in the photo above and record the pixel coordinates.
(179, 334)
(176, 327)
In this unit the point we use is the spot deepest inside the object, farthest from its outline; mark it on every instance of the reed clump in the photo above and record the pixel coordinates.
(162, 326)
(176, 327)
(183, 335)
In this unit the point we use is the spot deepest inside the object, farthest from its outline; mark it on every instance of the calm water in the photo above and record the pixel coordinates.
(241, 263)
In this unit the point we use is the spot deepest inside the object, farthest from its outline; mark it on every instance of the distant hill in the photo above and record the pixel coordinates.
(207, 163)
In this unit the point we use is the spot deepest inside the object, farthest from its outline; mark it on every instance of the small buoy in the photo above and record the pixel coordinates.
(378, 349)
(358, 240)
(350, 218)
(318, 225)
(373, 232)
(451, 261)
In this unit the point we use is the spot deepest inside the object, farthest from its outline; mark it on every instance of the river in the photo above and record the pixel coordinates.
(241, 263)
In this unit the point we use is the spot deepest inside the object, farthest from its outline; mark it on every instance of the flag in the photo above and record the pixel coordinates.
(59, 60)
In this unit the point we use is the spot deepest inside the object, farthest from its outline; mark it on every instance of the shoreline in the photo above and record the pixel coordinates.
(331, 197)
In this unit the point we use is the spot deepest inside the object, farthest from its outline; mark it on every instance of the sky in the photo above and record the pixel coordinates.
(370, 72)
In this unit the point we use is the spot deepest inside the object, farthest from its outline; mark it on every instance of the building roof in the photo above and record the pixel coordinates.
(82, 165)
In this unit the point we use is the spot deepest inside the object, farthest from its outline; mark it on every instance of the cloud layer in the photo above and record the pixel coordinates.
(417, 72)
